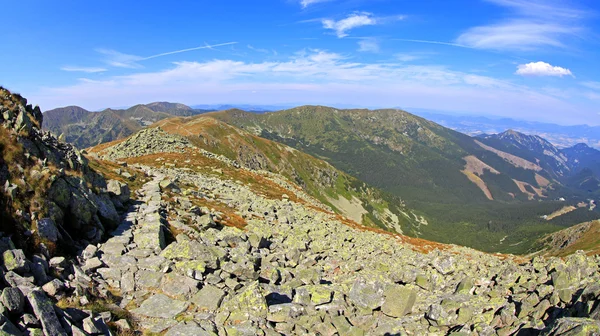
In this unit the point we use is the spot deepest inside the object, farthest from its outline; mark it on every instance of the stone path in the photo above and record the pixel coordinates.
(297, 270)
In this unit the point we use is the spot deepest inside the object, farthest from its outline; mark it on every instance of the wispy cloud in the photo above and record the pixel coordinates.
(306, 3)
(533, 24)
(342, 27)
(260, 50)
(368, 45)
(412, 56)
(592, 85)
(542, 69)
(83, 69)
(122, 60)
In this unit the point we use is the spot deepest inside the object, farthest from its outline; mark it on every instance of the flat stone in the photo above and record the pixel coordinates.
(208, 298)
(155, 325)
(147, 279)
(188, 328)
(93, 264)
(153, 263)
(160, 305)
(398, 301)
(179, 286)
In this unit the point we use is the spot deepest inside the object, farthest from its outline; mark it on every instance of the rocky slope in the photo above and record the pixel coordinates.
(291, 268)
(211, 247)
(340, 191)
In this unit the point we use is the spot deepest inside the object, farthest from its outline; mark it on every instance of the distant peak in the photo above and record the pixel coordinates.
(511, 132)
(581, 146)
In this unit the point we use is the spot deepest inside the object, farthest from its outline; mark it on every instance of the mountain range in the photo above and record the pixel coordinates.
(84, 128)
(395, 171)
(559, 135)
(196, 226)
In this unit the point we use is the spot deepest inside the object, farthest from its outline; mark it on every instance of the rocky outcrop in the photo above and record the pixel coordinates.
(148, 141)
(59, 197)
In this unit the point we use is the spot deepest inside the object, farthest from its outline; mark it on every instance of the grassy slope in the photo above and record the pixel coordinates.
(420, 162)
(317, 177)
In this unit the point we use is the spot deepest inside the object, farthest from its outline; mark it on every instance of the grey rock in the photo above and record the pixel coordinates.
(159, 305)
(13, 300)
(44, 311)
(571, 326)
(8, 328)
(53, 287)
(93, 264)
(15, 260)
(47, 229)
(179, 286)
(367, 294)
(119, 190)
(208, 298)
(188, 328)
(398, 301)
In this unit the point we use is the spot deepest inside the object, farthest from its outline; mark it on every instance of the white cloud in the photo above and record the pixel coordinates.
(83, 69)
(412, 56)
(306, 3)
(120, 60)
(542, 69)
(355, 20)
(534, 24)
(368, 45)
(315, 77)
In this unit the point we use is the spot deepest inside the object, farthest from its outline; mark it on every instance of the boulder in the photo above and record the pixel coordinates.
(13, 300)
(179, 286)
(118, 190)
(208, 298)
(15, 260)
(249, 305)
(187, 328)
(44, 311)
(161, 306)
(47, 229)
(398, 300)
(571, 326)
(366, 294)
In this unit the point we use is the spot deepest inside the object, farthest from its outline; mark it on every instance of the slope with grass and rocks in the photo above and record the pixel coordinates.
(204, 245)
(468, 192)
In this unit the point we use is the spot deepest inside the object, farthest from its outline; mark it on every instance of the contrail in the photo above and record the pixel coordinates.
(436, 42)
(189, 49)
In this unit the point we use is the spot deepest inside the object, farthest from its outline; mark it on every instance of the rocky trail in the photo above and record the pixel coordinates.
(297, 270)
(87, 256)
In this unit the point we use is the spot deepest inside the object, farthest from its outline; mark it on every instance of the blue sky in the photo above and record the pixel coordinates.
(529, 59)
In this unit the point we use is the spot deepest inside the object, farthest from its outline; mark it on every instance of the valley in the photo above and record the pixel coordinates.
(386, 168)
